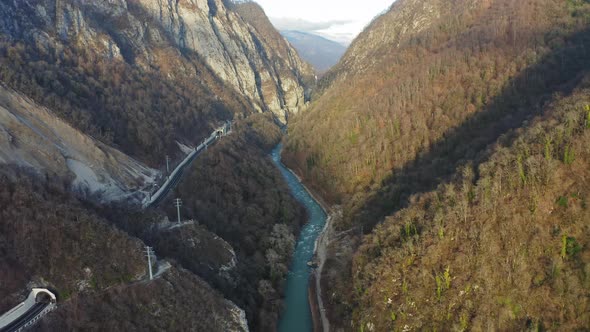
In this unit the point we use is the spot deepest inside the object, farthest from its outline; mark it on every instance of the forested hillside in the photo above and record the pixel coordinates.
(141, 74)
(238, 248)
(503, 245)
(120, 104)
(235, 191)
(446, 83)
(46, 233)
(464, 123)
(49, 238)
(140, 78)
(178, 301)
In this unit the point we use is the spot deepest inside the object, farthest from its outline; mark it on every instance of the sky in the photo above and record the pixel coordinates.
(339, 20)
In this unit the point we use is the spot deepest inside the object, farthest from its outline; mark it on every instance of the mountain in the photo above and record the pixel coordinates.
(143, 74)
(243, 198)
(184, 303)
(504, 243)
(450, 141)
(320, 52)
(51, 239)
(452, 136)
(33, 137)
(93, 96)
(229, 261)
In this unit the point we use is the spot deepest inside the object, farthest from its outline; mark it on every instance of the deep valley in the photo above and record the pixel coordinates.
(178, 166)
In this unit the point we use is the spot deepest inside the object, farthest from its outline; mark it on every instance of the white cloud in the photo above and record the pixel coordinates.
(330, 29)
(336, 19)
(287, 23)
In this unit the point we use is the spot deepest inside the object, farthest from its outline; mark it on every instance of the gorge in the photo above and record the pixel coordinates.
(446, 155)
(297, 314)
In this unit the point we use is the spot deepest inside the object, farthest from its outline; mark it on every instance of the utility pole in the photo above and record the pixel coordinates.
(167, 165)
(178, 203)
(149, 252)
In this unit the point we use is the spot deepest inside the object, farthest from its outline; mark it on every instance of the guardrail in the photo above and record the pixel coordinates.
(28, 312)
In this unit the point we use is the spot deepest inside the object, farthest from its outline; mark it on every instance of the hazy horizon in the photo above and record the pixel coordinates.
(334, 20)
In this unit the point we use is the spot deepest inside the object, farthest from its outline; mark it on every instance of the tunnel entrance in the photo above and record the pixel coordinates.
(43, 297)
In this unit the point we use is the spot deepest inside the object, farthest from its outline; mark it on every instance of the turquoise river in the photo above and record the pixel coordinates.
(296, 316)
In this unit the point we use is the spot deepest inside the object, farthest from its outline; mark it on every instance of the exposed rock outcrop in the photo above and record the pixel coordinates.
(198, 250)
(236, 41)
(31, 136)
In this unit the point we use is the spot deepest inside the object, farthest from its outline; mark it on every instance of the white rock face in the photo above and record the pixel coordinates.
(238, 322)
(32, 136)
(233, 49)
(246, 55)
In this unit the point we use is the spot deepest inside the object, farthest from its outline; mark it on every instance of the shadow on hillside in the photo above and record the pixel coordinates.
(523, 98)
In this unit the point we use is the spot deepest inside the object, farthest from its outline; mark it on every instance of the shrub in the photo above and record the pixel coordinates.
(568, 155)
(562, 201)
(569, 246)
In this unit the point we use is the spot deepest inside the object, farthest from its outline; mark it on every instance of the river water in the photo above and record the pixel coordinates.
(297, 314)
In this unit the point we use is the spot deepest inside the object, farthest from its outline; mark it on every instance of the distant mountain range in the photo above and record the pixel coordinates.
(322, 53)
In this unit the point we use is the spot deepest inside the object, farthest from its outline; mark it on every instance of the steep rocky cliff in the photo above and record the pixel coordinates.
(143, 74)
(246, 55)
(281, 61)
(241, 47)
(92, 92)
